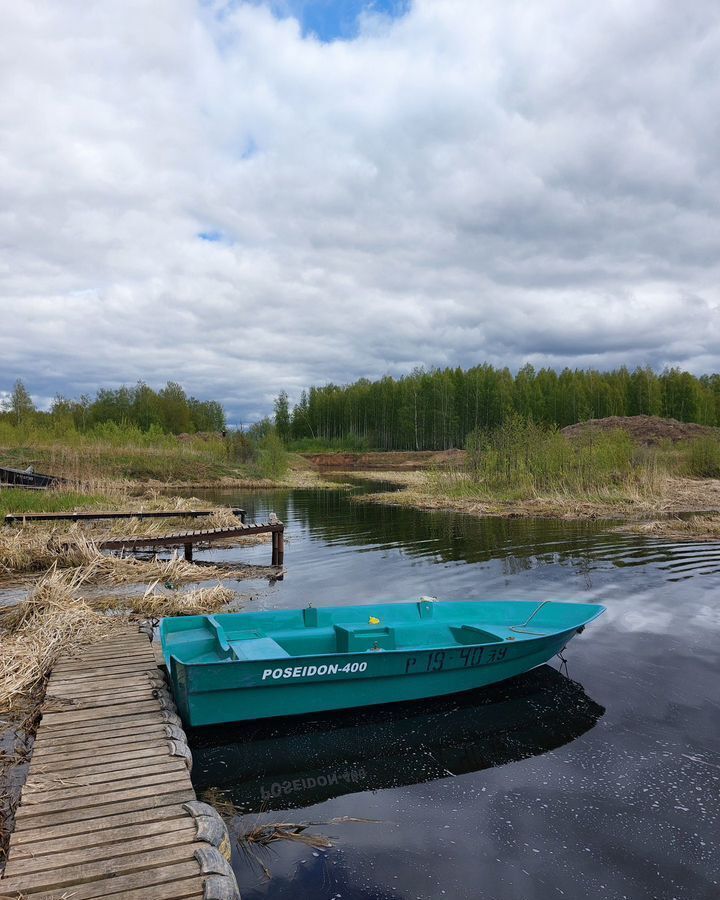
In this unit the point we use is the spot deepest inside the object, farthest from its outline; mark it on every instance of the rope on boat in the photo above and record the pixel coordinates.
(521, 628)
(563, 663)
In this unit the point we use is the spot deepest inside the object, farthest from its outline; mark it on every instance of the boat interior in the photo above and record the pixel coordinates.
(324, 631)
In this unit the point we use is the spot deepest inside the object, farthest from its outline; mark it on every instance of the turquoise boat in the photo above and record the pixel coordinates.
(236, 666)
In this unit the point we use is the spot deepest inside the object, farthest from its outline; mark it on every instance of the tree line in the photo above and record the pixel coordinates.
(168, 410)
(437, 409)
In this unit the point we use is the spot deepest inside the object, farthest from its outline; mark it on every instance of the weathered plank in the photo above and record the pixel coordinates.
(137, 651)
(59, 732)
(106, 711)
(108, 801)
(91, 763)
(72, 855)
(50, 787)
(108, 841)
(128, 734)
(130, 688)
(102, 749)
(80, 873)
(123, 883)
(134, 804)
(93, 829)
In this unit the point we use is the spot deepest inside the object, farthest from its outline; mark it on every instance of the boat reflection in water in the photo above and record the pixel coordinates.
(277, 764)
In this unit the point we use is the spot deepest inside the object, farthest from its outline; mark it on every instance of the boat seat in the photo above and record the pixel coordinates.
(258, 648)
(354, 638)
(471, 634)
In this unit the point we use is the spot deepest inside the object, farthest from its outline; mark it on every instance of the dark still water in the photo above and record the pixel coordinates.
(603, 784)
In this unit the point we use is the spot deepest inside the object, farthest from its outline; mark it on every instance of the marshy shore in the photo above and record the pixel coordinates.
(675, 497)
(643, 476)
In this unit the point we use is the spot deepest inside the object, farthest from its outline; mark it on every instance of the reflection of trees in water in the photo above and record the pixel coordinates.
(293, 762)
(449, 535)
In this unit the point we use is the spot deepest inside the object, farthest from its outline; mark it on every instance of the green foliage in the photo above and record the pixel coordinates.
(17, 500)
(272, 461)
(438, 409)
(349, 444)
(521, 458)
(21, 405)
(282, 416)
(240, 448)
(701, 458)
(141, 408)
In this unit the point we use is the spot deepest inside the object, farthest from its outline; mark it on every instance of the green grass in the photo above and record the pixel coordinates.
(701, 458)
(111, 452)
(17, 500)
(522, 460)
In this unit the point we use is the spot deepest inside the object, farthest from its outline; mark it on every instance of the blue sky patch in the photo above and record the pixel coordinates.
(211, 235)
(336, 20)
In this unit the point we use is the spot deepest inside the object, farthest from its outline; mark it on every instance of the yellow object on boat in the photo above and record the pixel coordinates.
(373, 621)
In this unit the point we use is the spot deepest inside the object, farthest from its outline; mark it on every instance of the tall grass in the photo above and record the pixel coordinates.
(272, 460)
(700, 458)
(110, 451)
(521, 459)
(18, 500)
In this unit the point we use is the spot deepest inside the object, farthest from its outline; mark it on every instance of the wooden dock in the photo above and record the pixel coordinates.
(22, 518)
(108, 809)
(187, 539)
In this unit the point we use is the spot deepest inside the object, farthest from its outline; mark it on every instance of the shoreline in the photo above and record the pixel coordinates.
(697, 499)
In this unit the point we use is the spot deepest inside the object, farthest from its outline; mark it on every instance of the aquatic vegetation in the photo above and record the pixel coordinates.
(701, 527)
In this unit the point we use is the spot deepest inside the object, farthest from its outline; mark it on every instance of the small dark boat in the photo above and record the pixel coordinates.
(27, 478)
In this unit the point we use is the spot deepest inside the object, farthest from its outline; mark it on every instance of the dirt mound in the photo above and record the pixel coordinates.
(647, 430)
(385, 461)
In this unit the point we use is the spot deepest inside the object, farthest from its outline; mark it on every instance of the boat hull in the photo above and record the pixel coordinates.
(214, 694)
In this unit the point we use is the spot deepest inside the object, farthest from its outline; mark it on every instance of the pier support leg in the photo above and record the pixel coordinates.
(274, 560)
(280, 547)
(188, 552)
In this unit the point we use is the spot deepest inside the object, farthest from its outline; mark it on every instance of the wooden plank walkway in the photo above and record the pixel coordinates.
(14, 518)
(108, 809)
(186, 539)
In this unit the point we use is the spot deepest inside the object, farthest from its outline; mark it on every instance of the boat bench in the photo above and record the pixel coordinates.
(258, 648)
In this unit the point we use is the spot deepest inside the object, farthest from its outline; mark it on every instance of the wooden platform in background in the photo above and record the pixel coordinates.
(101, 813)
(22, 518)
(187, 539)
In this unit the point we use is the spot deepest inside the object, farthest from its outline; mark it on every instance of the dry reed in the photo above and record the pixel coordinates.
(51, 621)
(28, 550)
(154, 605)
(115, 570)
(35, 547)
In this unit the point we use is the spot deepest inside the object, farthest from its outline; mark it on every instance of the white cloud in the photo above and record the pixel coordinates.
(496, 181)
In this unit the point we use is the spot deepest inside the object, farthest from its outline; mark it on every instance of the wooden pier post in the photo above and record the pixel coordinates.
(188, 552)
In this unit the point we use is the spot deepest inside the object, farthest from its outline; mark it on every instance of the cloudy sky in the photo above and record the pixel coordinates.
(250, 196)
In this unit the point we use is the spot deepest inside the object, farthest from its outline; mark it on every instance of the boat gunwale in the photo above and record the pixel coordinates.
(518, 640)
(525, 639)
